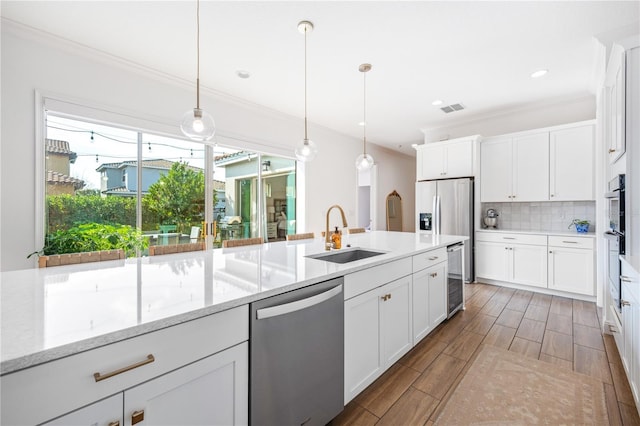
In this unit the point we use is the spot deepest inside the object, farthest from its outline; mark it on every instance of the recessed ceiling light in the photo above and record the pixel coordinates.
(539, 73)
(243, 74)
(436, 102)
(361, 123)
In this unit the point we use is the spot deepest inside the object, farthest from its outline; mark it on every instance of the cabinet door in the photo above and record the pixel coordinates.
(437, 294)
(429, 300)
(495, 170)
(531, 167)
(631, 328)
(491, 261)
(430, 161)
(529, 264)
(571, 270)
(107, 412)
(212, 391)
(458, 159)
(395, 320)
(362, 364)
(572, 164)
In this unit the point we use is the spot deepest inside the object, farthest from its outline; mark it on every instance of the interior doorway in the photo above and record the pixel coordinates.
(366, 199)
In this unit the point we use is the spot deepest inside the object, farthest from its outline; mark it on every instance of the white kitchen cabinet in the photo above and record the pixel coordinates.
(377, 333)
(107, 412)
(429, 299)
(515, 168)
(212, 391)
(571, 264)
(630, 352)
(516, 258)
(48, 390)
(572, 164)
(614, 90)
(447, 159)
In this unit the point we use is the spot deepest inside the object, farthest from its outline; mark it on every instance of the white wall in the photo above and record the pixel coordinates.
(33, 62)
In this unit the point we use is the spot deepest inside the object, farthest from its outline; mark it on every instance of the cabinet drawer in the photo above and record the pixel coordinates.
(429, 258)
(363, 281)
(571, 242)
(498, 237)
(40, 393)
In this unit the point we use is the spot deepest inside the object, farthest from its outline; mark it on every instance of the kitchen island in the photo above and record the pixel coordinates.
(53, 316)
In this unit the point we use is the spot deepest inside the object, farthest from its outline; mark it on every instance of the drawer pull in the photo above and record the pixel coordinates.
(625, 278)
(613, 328)
(137, 417)
(625, 303)
(433, 275)
(570, 242)
(433, 257)
(100, 377)
(508, 238)
(611, 150)
(116, 423)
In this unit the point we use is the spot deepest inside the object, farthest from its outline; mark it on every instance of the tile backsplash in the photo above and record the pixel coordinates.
(542, 216)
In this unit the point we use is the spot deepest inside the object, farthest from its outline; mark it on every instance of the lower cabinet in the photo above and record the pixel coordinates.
(563, 263)
(107, 412)
(571, 265)
(630, 350)
(377, 333)
(518, 263)
(429, 300)
(212, 391)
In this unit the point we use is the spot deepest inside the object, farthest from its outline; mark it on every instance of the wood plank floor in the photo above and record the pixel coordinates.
(553, 329)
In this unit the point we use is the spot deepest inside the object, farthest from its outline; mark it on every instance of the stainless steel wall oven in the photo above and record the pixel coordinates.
(615, 236)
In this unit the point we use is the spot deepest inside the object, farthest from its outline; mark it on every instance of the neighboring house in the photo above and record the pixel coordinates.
(122, 178)
(58, 164)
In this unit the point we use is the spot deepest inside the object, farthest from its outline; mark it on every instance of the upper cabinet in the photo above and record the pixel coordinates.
(572, 164)
(555, 164)
(515, 168)
(614, 93)
(447, 159)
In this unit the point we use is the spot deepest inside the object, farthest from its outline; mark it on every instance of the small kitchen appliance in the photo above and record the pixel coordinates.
(491, 219)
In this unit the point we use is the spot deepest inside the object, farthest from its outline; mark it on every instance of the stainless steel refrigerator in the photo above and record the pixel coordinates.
(446, 207)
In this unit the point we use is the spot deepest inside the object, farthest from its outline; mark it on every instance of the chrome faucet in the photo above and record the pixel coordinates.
(327, 241)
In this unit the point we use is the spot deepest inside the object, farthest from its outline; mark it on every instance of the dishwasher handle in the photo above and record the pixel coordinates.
(287, 308)
(455, 247)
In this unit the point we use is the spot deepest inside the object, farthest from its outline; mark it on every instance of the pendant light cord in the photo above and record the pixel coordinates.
(364, 108)
(306, 138)
(198, 56)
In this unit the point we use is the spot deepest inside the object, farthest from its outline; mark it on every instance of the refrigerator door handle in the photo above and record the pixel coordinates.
(437, 213)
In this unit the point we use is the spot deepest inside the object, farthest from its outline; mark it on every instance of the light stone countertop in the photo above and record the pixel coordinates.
(50, 313)
(552, 233)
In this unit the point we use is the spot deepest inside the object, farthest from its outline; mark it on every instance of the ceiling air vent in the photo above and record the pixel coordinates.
(451, 108)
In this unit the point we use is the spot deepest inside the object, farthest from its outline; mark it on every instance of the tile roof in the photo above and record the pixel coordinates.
(157, 164)
(59, 178)
(57, 146)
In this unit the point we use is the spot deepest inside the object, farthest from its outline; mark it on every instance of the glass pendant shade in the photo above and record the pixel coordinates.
(306, 150)
(198, 125)
(364, 162)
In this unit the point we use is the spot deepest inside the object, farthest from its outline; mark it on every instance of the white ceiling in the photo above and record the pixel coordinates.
(480, 54)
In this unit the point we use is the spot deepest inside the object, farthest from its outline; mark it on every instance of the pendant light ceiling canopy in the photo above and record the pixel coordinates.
(306, 150)
(364, 160)
(198, 124)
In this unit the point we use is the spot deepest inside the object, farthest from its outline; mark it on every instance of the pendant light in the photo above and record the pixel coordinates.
(197, 124)
(364, 160)
(306, 150)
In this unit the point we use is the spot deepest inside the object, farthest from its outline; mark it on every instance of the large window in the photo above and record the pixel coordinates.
(108, 187)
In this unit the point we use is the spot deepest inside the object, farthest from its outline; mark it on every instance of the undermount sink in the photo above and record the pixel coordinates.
(346, 256)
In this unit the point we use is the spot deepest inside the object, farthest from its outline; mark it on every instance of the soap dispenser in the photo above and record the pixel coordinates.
(336, 239)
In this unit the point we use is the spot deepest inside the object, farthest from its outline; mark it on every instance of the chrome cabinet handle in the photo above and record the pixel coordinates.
(98, 377)
(570, 242)
(433, 258)
(625, 303)
(625, 278)
(508, 238)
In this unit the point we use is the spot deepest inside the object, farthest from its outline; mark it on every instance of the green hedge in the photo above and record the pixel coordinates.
(94, 237)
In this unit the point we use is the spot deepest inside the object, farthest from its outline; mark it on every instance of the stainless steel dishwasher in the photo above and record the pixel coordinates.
(297, 356)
